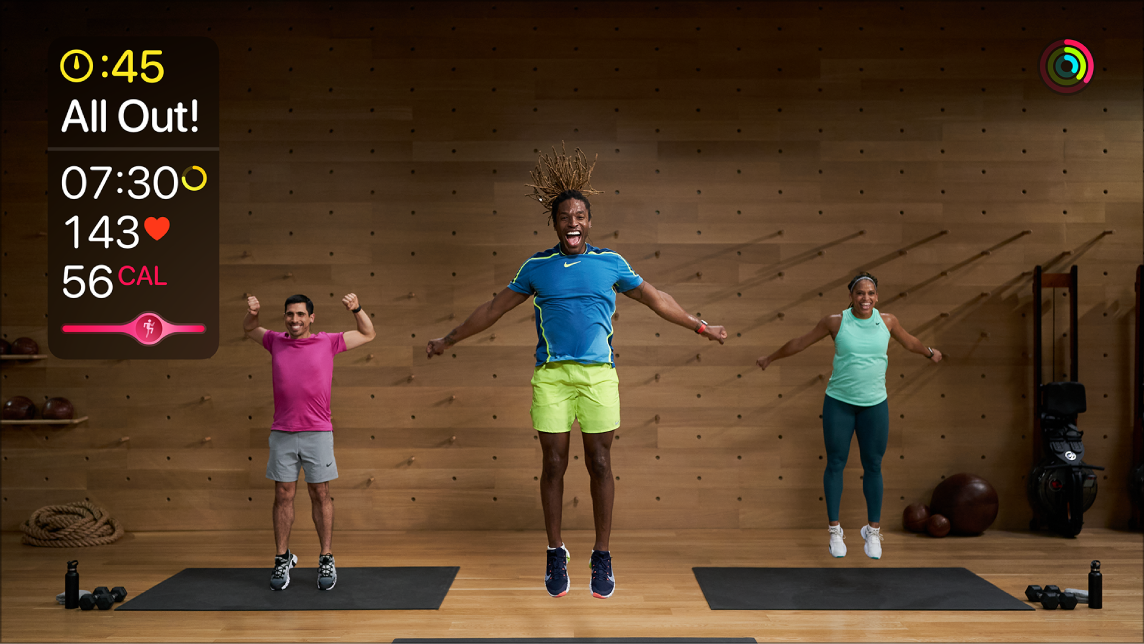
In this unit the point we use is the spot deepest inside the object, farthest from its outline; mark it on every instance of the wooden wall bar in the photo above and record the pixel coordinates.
(753, 157)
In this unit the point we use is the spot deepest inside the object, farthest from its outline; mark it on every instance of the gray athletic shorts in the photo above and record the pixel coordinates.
(292, 451)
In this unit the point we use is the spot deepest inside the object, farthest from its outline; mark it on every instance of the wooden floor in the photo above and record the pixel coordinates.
(499, 590)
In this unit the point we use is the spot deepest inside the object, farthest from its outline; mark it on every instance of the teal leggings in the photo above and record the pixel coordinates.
(840, 421)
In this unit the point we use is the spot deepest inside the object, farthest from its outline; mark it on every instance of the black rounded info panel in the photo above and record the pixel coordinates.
(133, 198)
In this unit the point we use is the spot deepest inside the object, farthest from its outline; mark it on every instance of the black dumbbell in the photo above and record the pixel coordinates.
(1050, 599)
(119, 593)
(87, 602)
(1033, 592)
(1053, 587)
(1068, 601)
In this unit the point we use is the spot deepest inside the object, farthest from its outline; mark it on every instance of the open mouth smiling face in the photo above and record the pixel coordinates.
(572, 223)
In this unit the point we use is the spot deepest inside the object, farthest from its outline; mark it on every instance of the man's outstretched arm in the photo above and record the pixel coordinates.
(667, 308)
(485, 316)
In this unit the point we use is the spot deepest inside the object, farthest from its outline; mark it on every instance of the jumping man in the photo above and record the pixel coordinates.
(575, 287)
(302, 364)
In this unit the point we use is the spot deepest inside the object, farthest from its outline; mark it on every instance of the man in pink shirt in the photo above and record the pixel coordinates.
(302, 437)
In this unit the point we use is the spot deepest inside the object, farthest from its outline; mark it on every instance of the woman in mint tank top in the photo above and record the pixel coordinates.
(855, 401)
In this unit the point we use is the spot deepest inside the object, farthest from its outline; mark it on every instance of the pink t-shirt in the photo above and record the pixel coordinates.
(303, 372)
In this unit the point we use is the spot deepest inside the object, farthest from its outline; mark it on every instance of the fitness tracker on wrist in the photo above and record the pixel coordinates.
(357, 309)
(702, 327)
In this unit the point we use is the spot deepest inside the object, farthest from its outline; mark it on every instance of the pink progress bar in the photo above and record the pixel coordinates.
(148, 328)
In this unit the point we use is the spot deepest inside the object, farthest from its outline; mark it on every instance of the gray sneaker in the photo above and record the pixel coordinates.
(280, 579)
(327, 572)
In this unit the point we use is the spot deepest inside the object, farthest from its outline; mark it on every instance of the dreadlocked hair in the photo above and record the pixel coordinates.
(556, 176)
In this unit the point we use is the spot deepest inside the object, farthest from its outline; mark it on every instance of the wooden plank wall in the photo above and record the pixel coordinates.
(753, 157)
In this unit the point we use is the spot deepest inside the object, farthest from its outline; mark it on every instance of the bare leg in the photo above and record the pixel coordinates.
(597, 457)
(283, 514)
(555, 462)
(322, 509)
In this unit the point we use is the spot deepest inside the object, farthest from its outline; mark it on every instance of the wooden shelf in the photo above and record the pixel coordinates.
(36, 356)
(69, 421)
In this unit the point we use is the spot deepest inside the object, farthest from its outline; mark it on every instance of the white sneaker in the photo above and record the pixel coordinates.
(837, 548)
(873, 538)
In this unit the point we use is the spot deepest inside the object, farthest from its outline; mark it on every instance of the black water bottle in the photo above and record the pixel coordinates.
(1095, 585)
(71, 586)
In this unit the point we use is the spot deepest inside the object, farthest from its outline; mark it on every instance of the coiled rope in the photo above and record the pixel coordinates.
(71, 525)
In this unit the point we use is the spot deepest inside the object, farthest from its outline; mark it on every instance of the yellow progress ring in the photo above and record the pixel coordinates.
(183, 177)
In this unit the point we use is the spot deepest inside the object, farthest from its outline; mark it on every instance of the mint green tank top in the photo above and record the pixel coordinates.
(860, 361)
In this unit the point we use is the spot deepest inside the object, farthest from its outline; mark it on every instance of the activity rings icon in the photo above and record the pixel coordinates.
(183, 178)
(75, 65)
(1066, 66)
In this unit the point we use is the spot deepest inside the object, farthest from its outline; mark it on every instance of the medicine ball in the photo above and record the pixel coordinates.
(968, 501)
(915, 516)
(58, 409)
(25, 347)
(19, 408)
(937, 526)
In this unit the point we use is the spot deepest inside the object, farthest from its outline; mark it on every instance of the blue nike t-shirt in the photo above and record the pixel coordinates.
(575, 297)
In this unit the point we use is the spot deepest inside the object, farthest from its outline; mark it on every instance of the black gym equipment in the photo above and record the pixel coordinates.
(1068, 601)
(1061, 486)
(87, 602)
(1033, 592)
(1136, 475)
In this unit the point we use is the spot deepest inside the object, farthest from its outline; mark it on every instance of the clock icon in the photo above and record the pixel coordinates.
(74, 57)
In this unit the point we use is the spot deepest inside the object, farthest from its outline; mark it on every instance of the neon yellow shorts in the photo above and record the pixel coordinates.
(566, 391)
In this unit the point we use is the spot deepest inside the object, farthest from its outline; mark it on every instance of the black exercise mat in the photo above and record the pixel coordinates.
(413, 588)
(851, 589)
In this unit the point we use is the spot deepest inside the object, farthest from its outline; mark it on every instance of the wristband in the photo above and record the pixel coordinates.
(357, 309)
(702, 327)
(930, 351)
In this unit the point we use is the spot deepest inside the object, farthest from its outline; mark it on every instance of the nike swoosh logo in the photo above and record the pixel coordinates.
(329, 464)
(566, 264)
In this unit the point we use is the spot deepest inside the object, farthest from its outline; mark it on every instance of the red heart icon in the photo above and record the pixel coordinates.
(156, 228)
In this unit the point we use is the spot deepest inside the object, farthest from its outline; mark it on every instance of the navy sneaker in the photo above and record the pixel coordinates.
(280, 578)
(603, 583)
(327, 572)
(556, 572)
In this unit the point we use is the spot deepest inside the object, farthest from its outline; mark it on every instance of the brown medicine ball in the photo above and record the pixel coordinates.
(25, 347)
(19, 408)
(969, 502)
(915, 516)
(5, 348)
(58, 409)
(937, 526)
